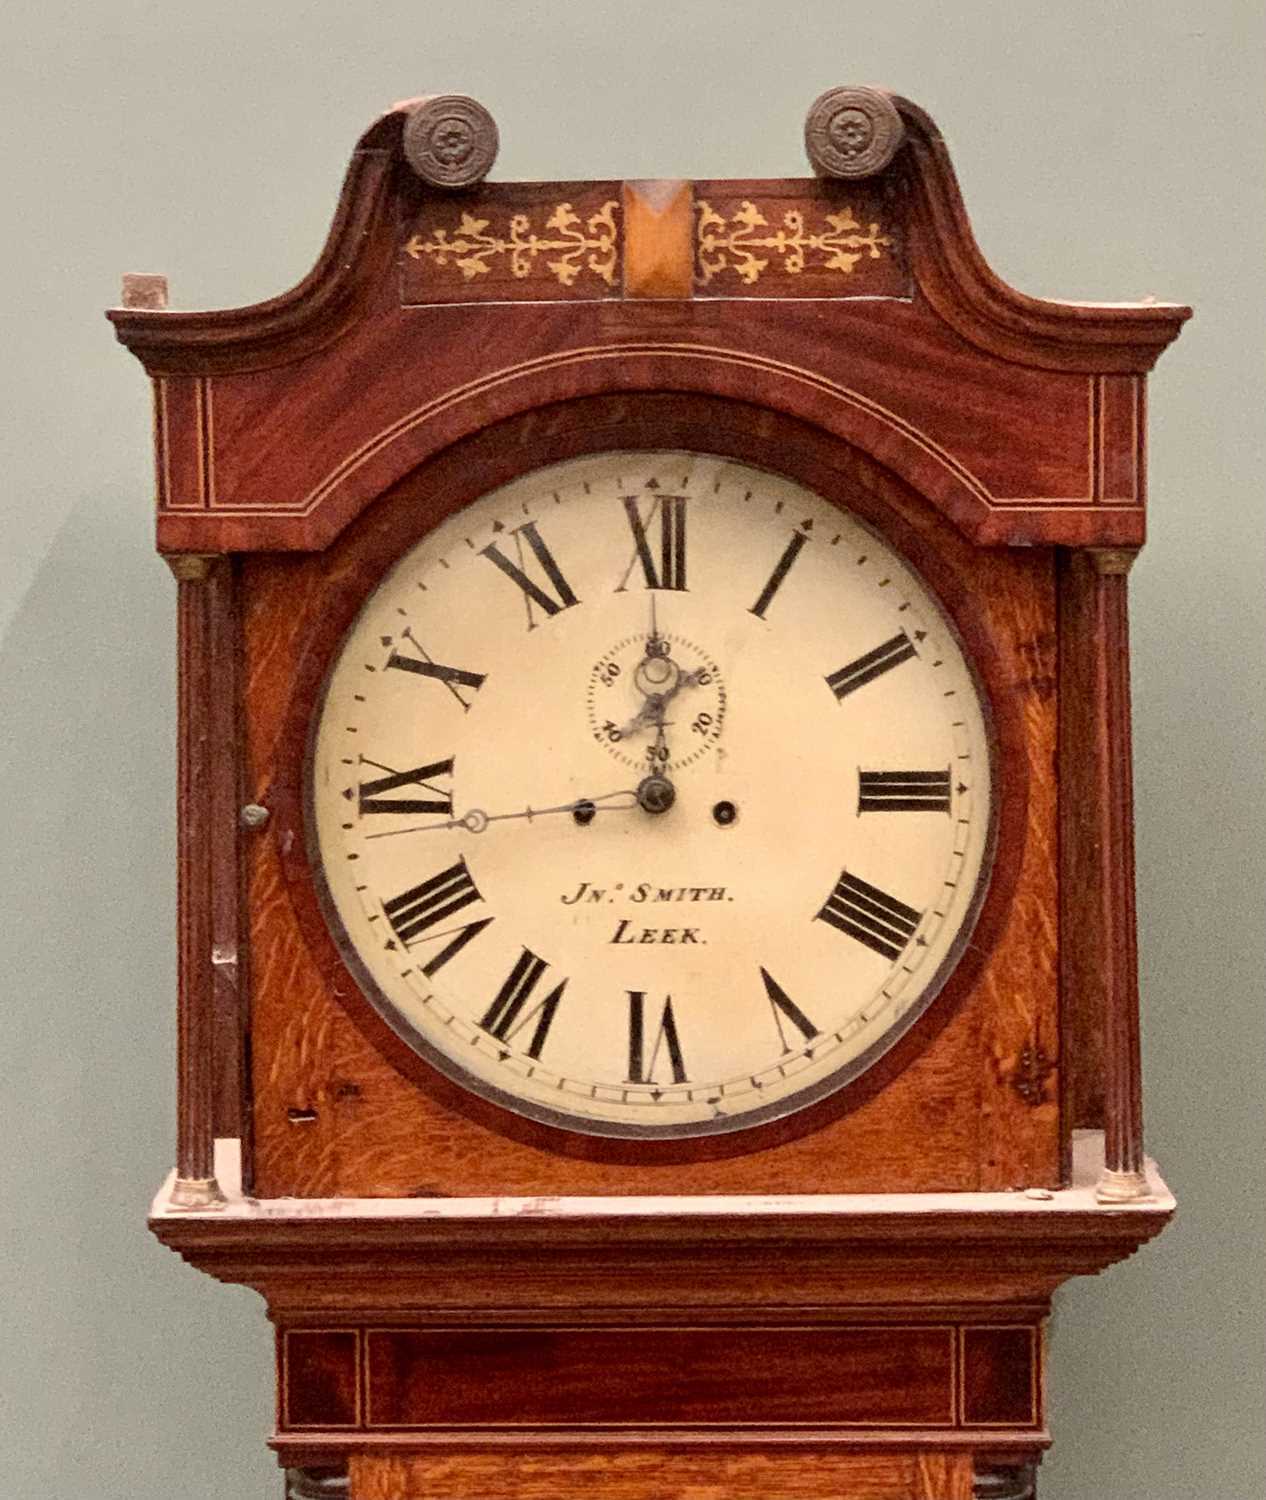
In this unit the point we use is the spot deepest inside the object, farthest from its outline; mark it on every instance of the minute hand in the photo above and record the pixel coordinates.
(476, 820)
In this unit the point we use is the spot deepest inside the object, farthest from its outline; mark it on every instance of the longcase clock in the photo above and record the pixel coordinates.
(657, 994)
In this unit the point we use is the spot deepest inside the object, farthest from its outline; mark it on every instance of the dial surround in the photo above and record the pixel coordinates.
(634, 974)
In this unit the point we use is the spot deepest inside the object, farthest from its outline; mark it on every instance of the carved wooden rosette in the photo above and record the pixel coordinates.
(852, 132)
(846, 329)
(450, 140)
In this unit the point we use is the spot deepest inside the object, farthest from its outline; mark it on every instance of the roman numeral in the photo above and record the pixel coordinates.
(414, 912)
(669, 572)
(643, 1060)
(866, 668)
(370, 793)
(509, 1013)
(784, 1007)
(533, 593)
(781, 569)
(453, 678)
(871, 916)
(903, 791)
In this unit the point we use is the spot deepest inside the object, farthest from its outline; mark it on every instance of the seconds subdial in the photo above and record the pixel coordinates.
(648, 678)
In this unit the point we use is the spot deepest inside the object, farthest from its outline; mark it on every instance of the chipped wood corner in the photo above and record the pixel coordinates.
(1110, 562)
(190, 567)
(143, 290)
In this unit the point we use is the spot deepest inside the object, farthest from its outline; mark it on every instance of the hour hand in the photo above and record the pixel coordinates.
(657, 701)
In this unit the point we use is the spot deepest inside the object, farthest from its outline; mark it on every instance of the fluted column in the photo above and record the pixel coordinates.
(196, 1186)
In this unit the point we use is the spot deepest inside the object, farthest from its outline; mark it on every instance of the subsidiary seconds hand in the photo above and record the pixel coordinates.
(476, 820)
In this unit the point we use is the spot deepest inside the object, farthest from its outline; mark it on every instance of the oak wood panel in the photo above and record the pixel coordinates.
(376, 1132)
(718, 1474)
(1017, 1126)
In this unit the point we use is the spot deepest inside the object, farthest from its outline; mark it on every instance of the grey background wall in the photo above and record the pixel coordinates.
(1106, 150)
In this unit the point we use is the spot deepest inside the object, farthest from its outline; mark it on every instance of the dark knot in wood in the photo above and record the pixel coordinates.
(1032, 1071)
(450, 141)
(852, 132)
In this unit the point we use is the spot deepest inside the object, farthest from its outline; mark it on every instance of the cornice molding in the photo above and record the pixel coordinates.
(1103, 338)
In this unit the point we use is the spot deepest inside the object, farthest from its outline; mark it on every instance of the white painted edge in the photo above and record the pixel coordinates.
(1078, 1198)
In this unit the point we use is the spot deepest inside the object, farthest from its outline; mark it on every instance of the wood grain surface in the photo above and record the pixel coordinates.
(659, 234)
(1115, 921)
(716, 1475)
(886, 375)
(224, 773)
(1082, 970)
(195, 1017)
(673, 1374)
(946, 261)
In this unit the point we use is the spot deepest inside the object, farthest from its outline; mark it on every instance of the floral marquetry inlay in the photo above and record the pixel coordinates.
(747, 243)
(567, 245)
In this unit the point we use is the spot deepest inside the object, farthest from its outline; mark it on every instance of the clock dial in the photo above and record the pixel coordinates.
(651, 796)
